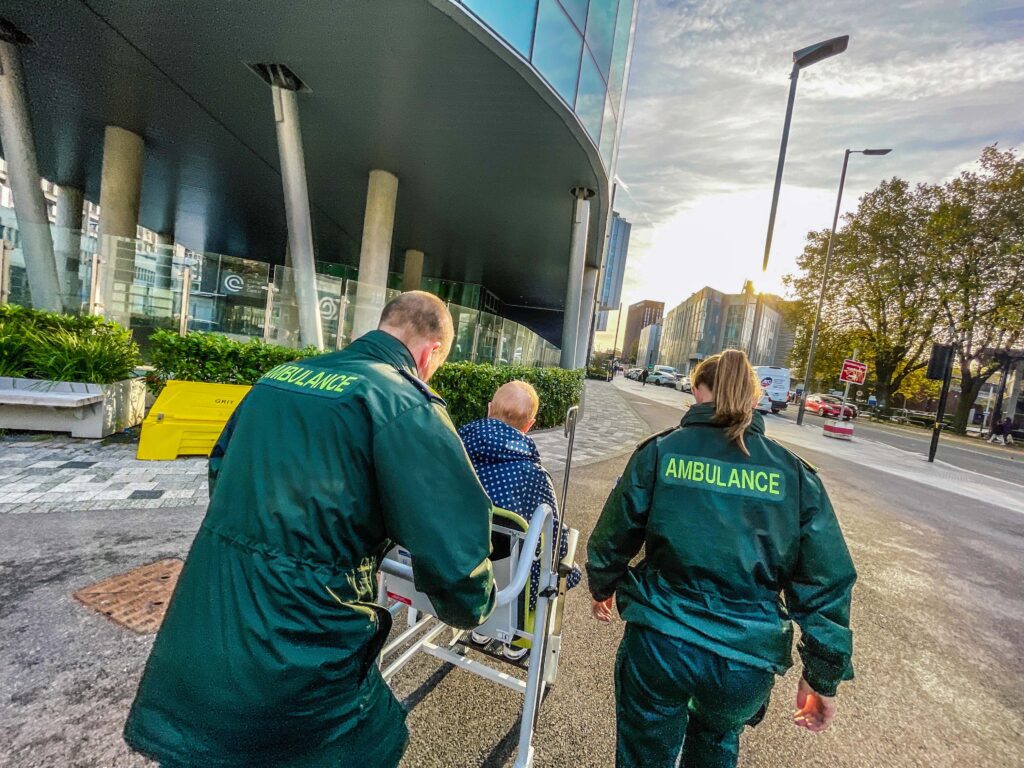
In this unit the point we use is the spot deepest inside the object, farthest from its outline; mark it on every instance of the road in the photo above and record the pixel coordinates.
(1006, 463)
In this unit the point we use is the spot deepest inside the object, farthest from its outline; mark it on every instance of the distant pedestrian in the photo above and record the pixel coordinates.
(643, 377)
(1002, 432)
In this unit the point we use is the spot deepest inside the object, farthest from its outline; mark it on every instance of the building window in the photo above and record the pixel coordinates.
(577, 10)
(590, 97)
(600, 34)
(511, 20)
(557, 46)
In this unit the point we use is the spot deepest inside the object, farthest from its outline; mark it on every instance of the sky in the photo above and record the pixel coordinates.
(934, 80)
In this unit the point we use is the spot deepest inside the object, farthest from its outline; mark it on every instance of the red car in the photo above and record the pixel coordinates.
(827, 405)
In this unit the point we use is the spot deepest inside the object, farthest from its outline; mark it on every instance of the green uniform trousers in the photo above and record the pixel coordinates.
(674, 697)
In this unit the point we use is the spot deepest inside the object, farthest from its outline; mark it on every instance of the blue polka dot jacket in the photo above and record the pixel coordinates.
(508, 465)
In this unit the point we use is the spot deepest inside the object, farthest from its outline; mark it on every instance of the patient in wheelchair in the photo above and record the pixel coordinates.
(508, 464)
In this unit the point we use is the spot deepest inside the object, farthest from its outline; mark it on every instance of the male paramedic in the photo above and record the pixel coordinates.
(266, 655)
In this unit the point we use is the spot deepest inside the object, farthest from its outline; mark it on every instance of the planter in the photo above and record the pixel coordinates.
(84, 410)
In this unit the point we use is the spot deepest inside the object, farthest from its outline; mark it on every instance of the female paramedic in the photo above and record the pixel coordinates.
(740, 538)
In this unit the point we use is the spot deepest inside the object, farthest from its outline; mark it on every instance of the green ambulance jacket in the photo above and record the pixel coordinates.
(324, 466)
(736, 547)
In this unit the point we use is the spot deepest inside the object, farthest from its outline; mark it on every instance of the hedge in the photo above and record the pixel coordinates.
(213, 358)
(468, 387)
(44, 345)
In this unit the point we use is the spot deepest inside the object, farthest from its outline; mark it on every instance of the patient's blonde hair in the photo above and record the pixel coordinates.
(515, 403)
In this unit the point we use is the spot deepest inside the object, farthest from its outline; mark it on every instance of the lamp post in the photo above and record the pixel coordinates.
(803, 58)
(824, 273)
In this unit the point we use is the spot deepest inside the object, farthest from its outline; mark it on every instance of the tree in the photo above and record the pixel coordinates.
(835, 343)
(878, 291)
(976, 234)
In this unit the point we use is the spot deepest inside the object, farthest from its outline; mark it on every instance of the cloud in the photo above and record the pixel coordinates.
(935, 80)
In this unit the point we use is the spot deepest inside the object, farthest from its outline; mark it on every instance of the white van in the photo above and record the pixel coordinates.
(775, 382)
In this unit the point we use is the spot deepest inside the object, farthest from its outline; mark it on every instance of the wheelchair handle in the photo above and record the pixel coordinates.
(541, 517)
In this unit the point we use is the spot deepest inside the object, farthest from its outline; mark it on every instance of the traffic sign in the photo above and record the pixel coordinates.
(853, 372)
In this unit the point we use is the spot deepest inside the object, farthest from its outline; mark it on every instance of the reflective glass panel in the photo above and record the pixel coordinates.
(619, 49)
(229, 295)
(488, 338)
(511, 20)
(556, 49)
(601, 31)
(464, 320)
(608, 133)
(590, 98)
(577, 10)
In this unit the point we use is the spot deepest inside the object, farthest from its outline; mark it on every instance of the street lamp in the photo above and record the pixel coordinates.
(824, 272)
(805, 57)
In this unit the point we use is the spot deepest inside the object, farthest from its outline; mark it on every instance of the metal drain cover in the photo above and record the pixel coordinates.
(136, 599)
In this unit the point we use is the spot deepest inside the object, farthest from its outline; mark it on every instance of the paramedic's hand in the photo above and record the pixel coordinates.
(813, 711)
(602, 610)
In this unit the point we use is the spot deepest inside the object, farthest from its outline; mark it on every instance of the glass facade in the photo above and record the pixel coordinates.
(143, 286)
(578, 46)
(710, 321)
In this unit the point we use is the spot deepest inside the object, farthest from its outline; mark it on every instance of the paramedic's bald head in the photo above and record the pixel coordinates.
(421, 321)
(515, 403)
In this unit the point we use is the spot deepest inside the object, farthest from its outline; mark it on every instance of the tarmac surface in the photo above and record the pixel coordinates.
(938, 620)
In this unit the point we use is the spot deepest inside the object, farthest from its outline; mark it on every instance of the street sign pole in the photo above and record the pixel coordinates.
(846, 392)
(937, 427)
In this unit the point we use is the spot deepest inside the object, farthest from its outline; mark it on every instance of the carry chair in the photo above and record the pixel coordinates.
(516, 545)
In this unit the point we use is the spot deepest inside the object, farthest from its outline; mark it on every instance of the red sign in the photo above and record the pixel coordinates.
(854, 372)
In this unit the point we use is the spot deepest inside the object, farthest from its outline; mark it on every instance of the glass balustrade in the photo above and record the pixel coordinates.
(142, 286)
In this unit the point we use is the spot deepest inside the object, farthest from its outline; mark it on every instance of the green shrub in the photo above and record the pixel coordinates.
(468, 387)
(213, 358)
(44, 345)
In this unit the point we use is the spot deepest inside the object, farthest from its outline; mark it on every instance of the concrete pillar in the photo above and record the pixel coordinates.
(413, 278)
(164, 260)
(68, 245)
(1013, 391)
(375, 251)
(590, 275)
(296, 207)
(574, 286)
(23, 175)
(120, 193)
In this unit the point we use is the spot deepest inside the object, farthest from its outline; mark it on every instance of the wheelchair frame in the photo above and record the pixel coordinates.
(424, 629)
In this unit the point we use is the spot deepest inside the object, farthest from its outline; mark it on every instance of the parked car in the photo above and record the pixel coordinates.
(663, 376)
(633, 373)
(830, 406)
(683, 384)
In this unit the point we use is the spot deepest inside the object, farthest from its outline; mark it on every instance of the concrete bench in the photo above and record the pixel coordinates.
(84, 410)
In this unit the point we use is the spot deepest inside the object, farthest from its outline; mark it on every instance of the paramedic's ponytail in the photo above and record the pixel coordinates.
(735, 387)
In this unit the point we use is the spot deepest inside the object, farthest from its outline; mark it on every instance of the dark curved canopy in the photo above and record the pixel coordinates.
(484, 152)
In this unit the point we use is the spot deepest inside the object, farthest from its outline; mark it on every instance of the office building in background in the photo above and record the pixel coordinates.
(640, 315)
(710, 321)
(610, 294)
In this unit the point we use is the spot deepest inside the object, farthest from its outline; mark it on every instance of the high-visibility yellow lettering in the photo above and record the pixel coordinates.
(747, 478)
(723, 477)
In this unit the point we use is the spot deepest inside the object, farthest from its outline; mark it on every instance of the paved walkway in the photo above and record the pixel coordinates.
(41, 474)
